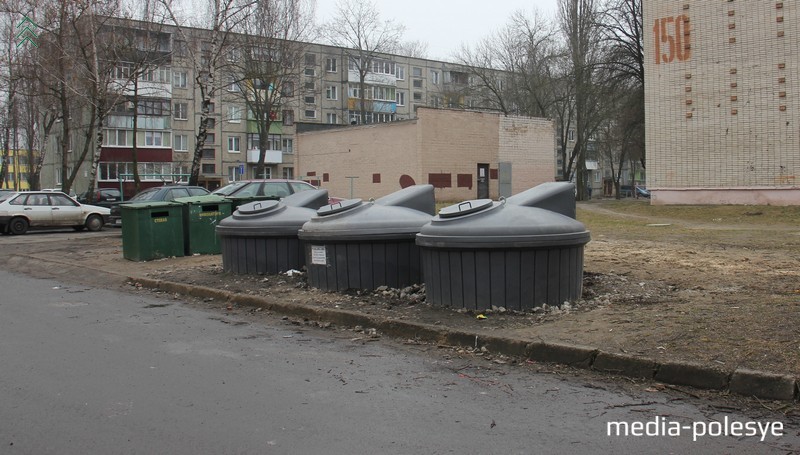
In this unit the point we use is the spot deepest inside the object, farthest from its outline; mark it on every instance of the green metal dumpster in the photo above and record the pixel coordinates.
(201, 214)
(152, 230)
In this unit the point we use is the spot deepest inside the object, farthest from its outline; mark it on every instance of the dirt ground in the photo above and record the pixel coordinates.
(714, 286)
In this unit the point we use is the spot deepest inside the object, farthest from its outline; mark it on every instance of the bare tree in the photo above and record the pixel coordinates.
(514, 66)
(624, 33)
(358, 28)
(268, 61)
(579, 23)
(415, 49)
(9, 81)
(209, 61)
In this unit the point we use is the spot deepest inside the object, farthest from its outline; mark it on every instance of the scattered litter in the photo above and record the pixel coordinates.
(293, 272)
(481, 316)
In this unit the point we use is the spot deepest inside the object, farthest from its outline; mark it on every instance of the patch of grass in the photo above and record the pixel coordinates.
(763, 227)
(730, 214)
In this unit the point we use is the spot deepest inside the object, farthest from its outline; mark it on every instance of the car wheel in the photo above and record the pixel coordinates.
(18, 226)
(94, 223)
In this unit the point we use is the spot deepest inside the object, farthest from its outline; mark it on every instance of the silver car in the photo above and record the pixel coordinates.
(47, 209)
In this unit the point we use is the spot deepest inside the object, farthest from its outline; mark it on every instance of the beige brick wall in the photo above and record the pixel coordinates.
(722, 101)
(527, 143)
(439, 141)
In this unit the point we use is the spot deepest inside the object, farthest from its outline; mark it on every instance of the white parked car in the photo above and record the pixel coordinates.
(20, 211)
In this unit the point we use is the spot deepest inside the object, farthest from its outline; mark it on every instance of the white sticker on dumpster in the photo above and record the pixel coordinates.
(318, 255)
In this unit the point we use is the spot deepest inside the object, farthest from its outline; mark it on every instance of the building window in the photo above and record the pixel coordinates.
(288, 118)
(384, 93)
(211, 108)
(310, 99)
(233, 84)
(233, 173)
(123, 71)
(330, 65)
(417, 83)
(234, 114)
(288, 89)
(208, 154)
(309, 86)
(571, 135)
(234, 54)
(436, 101)
(311, 59)
(309, 72)
(118, 138)
(400, 72)
(154, 138)
(234, 144)
(330, 92)
(154, 74)
(435, 77)
(417, 72)
(211, 123)
(288, 173)
(401, 98)
(180, 143)
(288, 146)
(382, 67)
(179, 49)
(310, 113)
(179, 79)
(331, 119)
(153, 107)
(355, 117)
(208, 168)
(267, 174)
(180, 111)
(211, 138)
(417, 96)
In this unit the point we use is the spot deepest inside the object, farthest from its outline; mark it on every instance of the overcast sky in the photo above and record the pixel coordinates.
(445, 24)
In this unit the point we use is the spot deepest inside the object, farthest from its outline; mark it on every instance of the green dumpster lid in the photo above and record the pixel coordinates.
(147, 205)
(207, 199)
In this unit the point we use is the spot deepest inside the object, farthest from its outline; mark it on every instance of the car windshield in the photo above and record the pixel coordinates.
(229, 189)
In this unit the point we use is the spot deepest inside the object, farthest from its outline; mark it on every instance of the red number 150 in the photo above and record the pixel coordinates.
(672, 39)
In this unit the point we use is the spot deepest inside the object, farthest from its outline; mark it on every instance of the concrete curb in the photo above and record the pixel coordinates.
(741, 381)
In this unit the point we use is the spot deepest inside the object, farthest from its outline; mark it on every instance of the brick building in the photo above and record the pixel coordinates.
(723, 101)
(464, 154)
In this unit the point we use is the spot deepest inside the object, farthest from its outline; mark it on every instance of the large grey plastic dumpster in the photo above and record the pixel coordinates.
(261, 237)
(484, 253)
(363, 245)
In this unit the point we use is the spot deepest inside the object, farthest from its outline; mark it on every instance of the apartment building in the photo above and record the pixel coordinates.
(722, 101)
(164, 103)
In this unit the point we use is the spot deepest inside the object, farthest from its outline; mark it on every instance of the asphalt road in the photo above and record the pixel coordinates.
(94, 371)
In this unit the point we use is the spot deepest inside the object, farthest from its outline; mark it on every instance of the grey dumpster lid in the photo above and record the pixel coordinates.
(500, 225)
(265, 219)
(396, 216)
(558, 197)
(310, 199)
